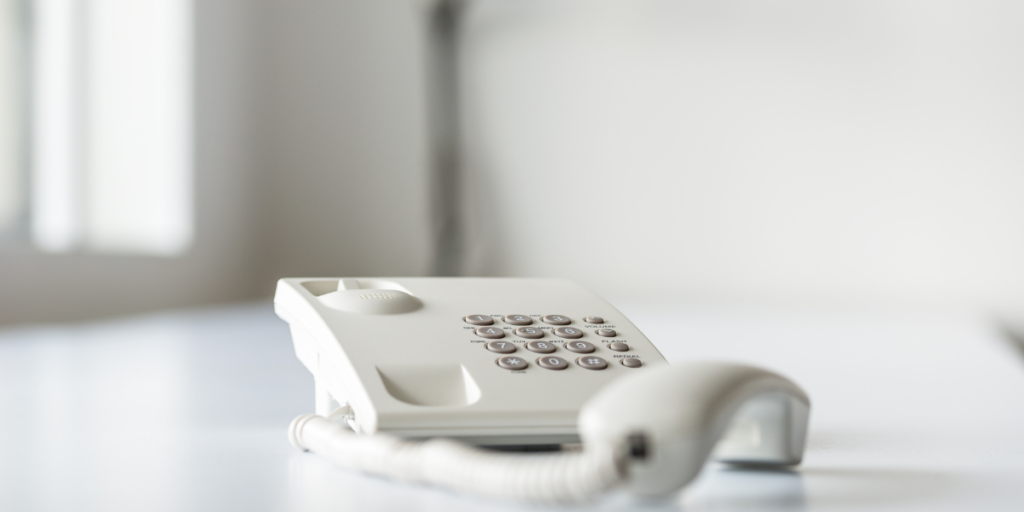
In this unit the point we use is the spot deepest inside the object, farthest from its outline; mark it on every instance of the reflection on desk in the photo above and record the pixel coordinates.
(188, 411)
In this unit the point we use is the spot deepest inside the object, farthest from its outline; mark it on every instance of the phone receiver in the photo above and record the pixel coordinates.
(649, 433)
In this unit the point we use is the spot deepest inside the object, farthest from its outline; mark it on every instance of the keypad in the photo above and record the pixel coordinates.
(492, 333)
(590, 353)
(581, 347)
(530, 333)
(556, 319)
(479, 320)
(552, 363)
(501, 347)
(592, 363)
(542, 347)
(512, 363)
(518, 320)
(569, 332)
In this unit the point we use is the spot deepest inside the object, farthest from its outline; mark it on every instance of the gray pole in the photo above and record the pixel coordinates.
(443, 126)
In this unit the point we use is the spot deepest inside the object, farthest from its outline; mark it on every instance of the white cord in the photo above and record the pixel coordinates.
(553, 478)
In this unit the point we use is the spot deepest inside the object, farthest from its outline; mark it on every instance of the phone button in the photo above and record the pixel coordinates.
(479, 320)
(592, 363)
(512, 363)
(619, 346)
(531, 333)
(568, 332)
(501, 347)
(632, 363)
(594, 320)
(518, 320)
(552, 363)
(607, 333)
(492, 333)
(556, 319)
(542, 347)
(581, 347)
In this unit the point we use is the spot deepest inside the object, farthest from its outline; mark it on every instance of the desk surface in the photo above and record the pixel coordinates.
(189, 410)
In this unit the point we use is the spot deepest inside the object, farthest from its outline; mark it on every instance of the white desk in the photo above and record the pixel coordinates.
(189, 410)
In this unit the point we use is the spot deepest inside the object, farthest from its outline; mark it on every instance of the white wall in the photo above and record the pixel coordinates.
(729, 150)
(342, 138)
(741, 149)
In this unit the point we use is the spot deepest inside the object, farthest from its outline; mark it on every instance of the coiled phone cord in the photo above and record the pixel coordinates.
(556, 478)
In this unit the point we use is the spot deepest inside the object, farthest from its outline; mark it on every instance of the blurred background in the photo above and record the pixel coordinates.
(171, 153)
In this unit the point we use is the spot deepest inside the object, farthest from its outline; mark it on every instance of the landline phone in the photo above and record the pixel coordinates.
(420, 379)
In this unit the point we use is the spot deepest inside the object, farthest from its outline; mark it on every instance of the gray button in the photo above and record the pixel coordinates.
(553, 363)
(479, 320)
(594, 320)
(607, 333)
(531, 333)
(632, 363)
(512, 363)
(592, 363)
(556, 319)
(617, 346)
(490, 333)
(581, 347)
(542, 347)
(501, 347)
(569, 332)
(518, 320)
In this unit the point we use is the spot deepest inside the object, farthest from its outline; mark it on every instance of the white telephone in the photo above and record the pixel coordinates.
(410, 373)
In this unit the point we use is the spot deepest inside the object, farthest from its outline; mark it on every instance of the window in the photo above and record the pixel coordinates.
(109, 150)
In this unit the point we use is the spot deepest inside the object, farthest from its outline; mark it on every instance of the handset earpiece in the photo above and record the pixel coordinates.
(650, 433)
(672, 418)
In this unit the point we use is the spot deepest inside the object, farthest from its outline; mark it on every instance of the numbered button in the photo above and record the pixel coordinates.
(632, 363)
(491, 333)
(518, 320)
(542, 347)
(619, 346)
(594, 320)
(556, 319)
(530, 333)
(501, 347)
(607, 333)
(581, 347)
(479, 320)
(592, 363)
(569, 332)
(553, 363)
(512, 363)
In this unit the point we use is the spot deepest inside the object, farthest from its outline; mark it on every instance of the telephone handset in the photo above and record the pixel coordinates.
(413, 375)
